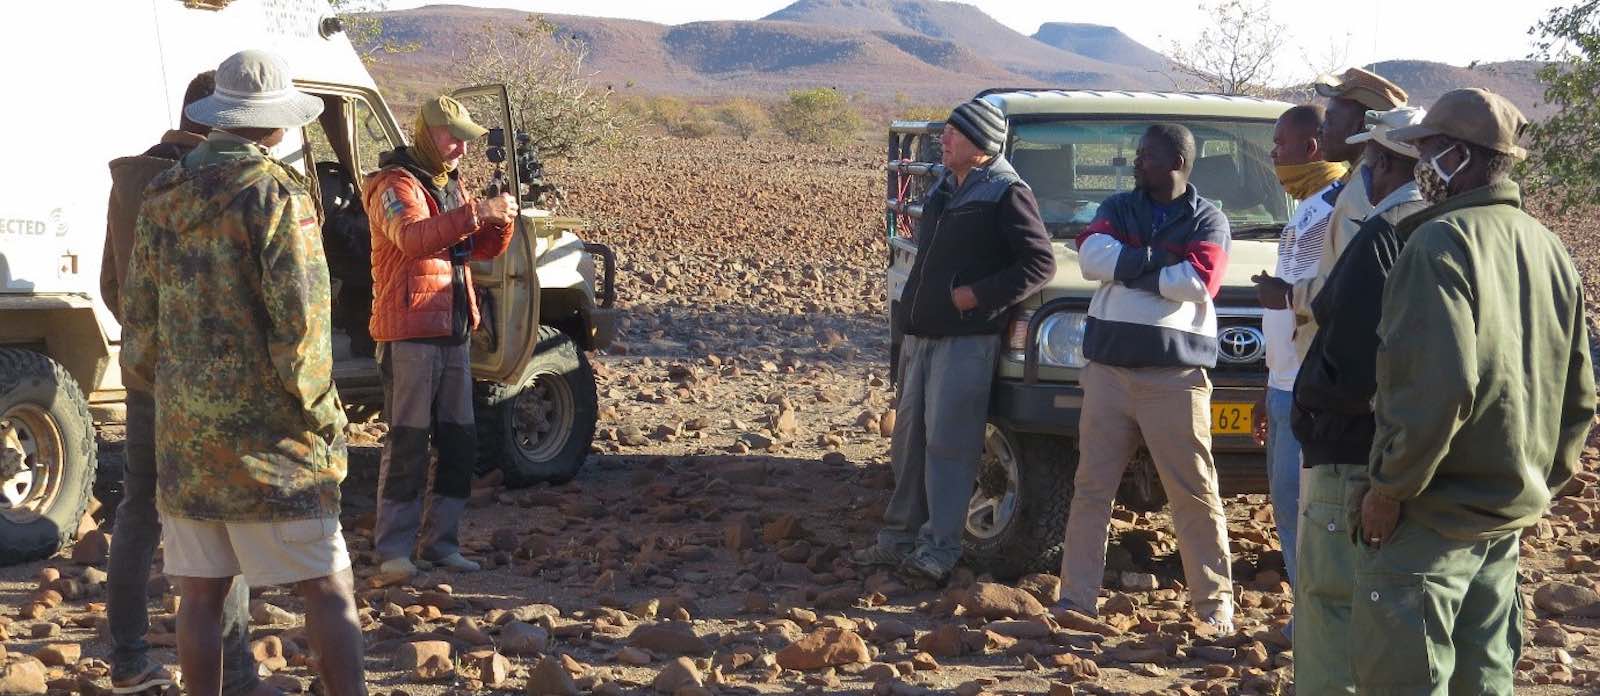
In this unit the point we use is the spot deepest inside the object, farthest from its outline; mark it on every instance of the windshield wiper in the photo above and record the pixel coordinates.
(1268, 231)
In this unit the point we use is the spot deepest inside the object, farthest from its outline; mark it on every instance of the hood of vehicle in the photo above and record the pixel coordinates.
(1245, 258)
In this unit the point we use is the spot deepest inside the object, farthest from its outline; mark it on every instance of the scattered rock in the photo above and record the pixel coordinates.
(268, 652)
(634, 656)
(1553, 636)
(669, 638)
(416, 654)
(59, 654)
(1562, 598)
(828, 647)
(518, 638)
(549, 678)
(486, 666)
(25, 677)
(268, 614)
(987, 600)
(92, 548)
(678, 674)
(1044, 587)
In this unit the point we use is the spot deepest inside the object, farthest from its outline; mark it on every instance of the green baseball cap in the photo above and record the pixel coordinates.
(444, 111)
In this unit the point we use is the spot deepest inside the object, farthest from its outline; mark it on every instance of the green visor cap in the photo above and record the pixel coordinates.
(445, 111)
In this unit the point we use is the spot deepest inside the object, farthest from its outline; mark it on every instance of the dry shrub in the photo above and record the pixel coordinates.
(820, 115)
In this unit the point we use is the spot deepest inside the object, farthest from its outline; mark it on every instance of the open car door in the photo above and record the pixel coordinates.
(507, 287)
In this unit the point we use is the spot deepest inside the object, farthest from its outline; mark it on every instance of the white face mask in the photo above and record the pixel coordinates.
(1431, 179)
(1434, 162)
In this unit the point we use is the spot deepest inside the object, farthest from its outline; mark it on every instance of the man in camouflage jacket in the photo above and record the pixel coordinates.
(227, 315)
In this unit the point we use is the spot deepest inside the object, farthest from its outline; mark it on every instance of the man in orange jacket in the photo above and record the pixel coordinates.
(425, 229)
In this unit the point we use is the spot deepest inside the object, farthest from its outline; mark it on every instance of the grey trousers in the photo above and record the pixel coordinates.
(427, 400)
(133, 550)
(942, 411)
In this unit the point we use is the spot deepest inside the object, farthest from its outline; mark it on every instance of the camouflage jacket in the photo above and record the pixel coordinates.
(226, 312)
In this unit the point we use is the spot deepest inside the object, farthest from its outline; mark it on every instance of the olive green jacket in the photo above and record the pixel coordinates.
(1485, 388)
(226, 312)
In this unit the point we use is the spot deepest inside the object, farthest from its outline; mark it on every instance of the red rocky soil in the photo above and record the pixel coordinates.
(741, 455)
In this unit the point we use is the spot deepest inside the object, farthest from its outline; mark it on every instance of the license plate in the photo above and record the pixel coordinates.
(1232, 419)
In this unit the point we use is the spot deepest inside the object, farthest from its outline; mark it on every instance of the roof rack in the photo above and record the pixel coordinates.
(1002, 90)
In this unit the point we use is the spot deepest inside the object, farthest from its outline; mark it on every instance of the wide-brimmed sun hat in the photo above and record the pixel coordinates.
(1381, 124)
(255, 90)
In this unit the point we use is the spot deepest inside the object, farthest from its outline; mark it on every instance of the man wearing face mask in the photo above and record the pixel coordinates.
(1315, 184)
(1333, 408)
(981, 248)
(1485, 396)
(425, 228)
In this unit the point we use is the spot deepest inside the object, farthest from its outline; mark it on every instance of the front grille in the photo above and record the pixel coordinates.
(1245, 341)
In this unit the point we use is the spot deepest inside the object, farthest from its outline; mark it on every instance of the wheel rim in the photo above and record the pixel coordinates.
(994, 498)
(542, 417)
(31, 463)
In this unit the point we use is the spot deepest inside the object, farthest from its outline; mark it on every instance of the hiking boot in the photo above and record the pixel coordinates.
(921, 572)
(878, 555)
(396, 567)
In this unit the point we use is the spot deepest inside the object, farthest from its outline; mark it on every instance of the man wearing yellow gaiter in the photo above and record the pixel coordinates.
(427, 226)
(1316, 183)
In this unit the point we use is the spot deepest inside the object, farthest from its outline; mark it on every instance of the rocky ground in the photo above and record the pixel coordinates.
(742, 452)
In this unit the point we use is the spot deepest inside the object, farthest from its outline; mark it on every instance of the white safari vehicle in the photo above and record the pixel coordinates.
(94, 80)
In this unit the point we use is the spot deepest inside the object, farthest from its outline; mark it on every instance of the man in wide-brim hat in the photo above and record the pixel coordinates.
(227, 316)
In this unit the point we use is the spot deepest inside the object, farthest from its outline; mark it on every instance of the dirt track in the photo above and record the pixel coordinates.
(752, 278)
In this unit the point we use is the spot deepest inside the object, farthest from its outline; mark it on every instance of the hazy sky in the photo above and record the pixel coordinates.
(1449, 31)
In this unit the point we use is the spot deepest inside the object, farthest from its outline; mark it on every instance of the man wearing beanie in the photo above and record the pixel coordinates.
(1485, 395)
(981, 248)
(226, 314)
(425, 228)
(1332, 416)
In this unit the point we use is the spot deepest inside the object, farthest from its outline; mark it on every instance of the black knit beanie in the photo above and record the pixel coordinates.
(982, 123)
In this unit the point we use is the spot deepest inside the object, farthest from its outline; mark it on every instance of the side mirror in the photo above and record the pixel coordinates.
(496, 154)
(497, 138)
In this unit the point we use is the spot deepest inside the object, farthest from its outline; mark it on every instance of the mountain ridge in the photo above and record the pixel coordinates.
(923, 50)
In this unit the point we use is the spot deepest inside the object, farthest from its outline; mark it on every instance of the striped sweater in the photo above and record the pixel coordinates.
(1154, 306)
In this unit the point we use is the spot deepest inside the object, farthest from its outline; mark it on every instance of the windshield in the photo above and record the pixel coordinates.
(1073, 165)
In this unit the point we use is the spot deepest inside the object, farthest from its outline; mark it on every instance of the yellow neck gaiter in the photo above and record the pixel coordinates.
(1302, 180)
(427, 156)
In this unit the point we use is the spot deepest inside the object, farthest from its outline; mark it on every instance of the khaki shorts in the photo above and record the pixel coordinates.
(265, 553)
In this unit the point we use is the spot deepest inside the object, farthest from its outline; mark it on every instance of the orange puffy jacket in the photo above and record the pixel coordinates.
(411, 240)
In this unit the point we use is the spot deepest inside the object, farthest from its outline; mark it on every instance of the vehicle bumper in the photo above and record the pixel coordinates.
(1053, 409)
(602, 327)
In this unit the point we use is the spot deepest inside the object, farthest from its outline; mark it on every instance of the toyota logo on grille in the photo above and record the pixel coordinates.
(1241, 344)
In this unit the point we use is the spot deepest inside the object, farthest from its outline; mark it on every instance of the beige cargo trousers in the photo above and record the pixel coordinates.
(1169, 410)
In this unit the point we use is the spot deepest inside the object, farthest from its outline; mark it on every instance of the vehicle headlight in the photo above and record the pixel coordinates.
(1061, 339)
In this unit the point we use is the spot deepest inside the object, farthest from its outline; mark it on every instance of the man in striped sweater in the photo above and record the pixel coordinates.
(1315, 184)
(1159, 253)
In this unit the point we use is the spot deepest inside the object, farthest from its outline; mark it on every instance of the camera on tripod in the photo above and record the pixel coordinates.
(530, 169)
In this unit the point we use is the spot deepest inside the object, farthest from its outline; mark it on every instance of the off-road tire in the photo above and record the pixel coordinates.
(31, 382)
(1030, 542)
(557, 360)
(1141, 489)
